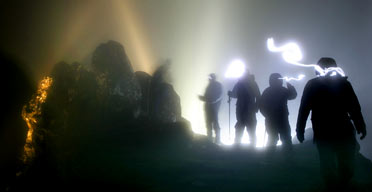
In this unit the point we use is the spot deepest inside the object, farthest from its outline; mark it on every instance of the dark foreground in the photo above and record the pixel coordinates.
(153, 162)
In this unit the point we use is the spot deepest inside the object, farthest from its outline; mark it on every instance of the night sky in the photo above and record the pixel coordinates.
(199, 37)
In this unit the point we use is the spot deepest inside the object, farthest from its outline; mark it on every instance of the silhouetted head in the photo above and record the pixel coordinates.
(212, 77)
(247, 76)
(327, 62)
(275, 80)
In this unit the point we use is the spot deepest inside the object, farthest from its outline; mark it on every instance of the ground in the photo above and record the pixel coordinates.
(153, 163)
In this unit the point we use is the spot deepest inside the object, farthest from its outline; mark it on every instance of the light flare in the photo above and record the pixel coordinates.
(236, 69)
(299, 78)
(30, 113)
(292, 54)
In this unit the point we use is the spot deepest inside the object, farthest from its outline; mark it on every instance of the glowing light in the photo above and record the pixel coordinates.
(236, 69)
(299, 78)
(30, 112)
(292, 54)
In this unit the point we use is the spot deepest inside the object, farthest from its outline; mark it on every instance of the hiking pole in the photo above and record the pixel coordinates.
(264, 139)
(229, 101)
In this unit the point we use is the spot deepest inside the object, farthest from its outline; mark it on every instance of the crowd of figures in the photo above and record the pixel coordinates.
(107, 96)
(272, 104)
(335, 115)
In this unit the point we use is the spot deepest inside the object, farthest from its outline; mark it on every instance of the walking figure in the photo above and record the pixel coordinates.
(335, 115)
(212, 99)
(273, 106)
(247, 93)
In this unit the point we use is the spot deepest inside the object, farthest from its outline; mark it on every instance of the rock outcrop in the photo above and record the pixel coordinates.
(165, 105)
(116, 77)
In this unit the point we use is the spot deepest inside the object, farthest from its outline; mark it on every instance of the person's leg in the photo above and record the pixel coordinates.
(208, 123)
(272, 134)
(239, 128)
(346, 159)
(216, 125)
(327, 159)
(209, 131)
(217, 131)
(251, 128)
(285, 135)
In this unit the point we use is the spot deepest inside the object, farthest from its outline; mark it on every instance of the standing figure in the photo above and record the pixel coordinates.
(335, 114)
(247, 93)
(212, 98)
(273, 106)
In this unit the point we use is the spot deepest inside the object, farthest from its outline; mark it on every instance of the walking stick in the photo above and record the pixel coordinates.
(229, 101)
(264, 140)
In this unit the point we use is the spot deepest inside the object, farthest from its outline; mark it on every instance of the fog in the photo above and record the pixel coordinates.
(199, 37)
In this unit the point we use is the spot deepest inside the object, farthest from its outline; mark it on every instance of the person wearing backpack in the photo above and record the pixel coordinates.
(335, 115)
(273, 106)
(247, 93)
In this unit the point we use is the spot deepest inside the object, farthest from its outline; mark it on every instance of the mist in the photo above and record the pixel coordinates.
(198, 37)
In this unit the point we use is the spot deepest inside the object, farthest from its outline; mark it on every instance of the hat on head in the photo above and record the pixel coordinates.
(327, 62)
(212, 76)
(275, 79)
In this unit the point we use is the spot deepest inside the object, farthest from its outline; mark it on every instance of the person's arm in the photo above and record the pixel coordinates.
(257, 93)
(256, 89)
(262, 104)
(303, 113)
(219, 92)
(201, 97)
(233, 93)
(354, 111)
(216, 93)
(292, 93)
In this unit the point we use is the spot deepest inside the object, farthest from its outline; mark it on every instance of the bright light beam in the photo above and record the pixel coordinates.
(299, 78)
(292, 54)
(236, 69)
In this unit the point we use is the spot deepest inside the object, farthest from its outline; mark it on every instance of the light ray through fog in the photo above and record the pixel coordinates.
(139, 50)
(199, 37)
(71, 34)
(198, 50)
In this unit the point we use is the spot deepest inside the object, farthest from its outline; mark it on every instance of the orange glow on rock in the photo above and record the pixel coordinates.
(31, 112)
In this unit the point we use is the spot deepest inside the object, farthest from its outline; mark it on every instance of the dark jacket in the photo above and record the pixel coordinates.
(273, 102)
(213, 93)
(247, 93)
(333, 104)
(212, 96)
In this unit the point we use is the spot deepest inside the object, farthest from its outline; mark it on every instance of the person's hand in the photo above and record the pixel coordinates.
(364, 133)
(201, 97)
(300, 137)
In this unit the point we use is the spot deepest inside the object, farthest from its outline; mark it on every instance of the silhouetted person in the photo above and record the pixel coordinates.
(273, 106)
(333, 104)
(212, 98)
(247, 93)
